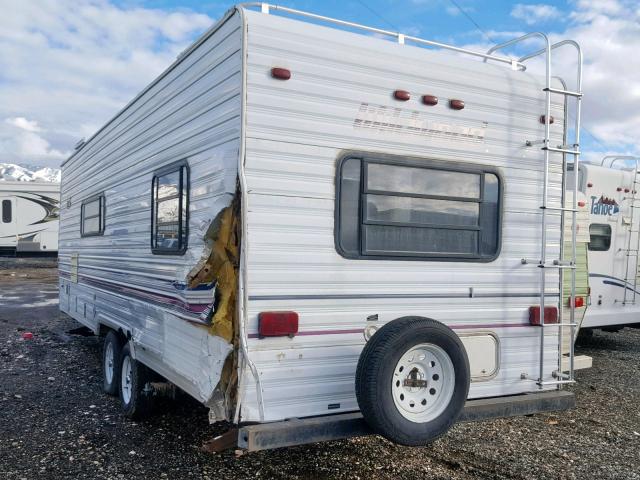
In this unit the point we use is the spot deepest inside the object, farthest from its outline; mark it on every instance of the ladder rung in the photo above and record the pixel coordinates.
(559, 209)
(571, 267)
(556, 382)
(563, 92)
(562, 150)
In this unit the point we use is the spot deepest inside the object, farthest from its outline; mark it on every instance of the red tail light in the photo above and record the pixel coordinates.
(589, 184)
(619, 189)
(581, 204)
(277, 324)
(550, 315)
(579, 302)
(626, 190)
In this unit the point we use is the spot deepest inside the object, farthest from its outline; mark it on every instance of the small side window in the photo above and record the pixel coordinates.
(92, 216)
(600, 234)
(169, 207)
(7, 214)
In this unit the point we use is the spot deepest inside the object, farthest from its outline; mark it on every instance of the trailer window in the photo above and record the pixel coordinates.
(92, 216)
(170, 206)
(403, 208)
(600, 237)
(6, 211)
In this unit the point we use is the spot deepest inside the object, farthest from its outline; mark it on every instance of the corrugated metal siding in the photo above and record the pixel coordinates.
(191, 113)
(296, 131)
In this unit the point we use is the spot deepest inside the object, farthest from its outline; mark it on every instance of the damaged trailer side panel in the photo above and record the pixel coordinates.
(164, 301)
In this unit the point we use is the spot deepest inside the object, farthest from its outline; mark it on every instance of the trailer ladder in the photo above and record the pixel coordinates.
(573, 150)
(629, 251)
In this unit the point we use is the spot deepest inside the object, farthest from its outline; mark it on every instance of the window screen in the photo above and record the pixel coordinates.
(92, 216)
(7, 213)
(600, 237)
(401, 208)
(170, 206)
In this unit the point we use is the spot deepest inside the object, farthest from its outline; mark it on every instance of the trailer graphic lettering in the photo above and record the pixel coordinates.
(604, 206)
(412, 122)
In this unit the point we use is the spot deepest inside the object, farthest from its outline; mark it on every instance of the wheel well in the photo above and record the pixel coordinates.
(104, 329)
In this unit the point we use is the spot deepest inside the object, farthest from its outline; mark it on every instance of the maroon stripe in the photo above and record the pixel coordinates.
(195, 308)
(360, 330)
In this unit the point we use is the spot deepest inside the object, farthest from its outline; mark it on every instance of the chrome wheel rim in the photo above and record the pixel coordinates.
(423, 383)
(126, 379)
(109, 359)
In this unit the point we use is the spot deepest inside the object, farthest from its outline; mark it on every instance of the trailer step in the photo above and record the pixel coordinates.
(335, 427)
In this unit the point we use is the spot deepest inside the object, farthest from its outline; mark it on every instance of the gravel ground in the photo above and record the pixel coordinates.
(56, 423)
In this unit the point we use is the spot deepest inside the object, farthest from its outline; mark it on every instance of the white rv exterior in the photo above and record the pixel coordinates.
(29, 214)
(217, 132)
(612, 200)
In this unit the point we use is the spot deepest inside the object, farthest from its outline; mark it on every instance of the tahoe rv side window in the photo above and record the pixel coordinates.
(600, 237)
(92, 216)
(422, 210)
(170, 206)
(6, 211)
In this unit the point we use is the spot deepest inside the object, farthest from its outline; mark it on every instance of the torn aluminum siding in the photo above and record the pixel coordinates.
(191, 113)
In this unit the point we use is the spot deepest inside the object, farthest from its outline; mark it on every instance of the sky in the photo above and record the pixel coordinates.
(68, 66)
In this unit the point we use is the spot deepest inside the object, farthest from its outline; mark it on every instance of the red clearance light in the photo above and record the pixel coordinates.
(581, 203)
(626, 190)
(550, 315)
(456, 104)
(579, 303)
(430, 100)
(619, 189)
(277, 324)
(280, 73)
(544, 117)
(589, 184)
(401, 95)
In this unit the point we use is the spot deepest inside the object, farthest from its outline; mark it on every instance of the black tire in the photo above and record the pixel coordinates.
(376, 368)
(113, 341)
(585, 335)
(139, 403)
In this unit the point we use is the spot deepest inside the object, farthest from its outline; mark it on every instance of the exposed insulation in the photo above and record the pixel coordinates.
(219, 264)
(221, 267)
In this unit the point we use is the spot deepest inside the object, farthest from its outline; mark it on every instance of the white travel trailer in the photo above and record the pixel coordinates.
(29, 217)
(610, 192)
(300, 221)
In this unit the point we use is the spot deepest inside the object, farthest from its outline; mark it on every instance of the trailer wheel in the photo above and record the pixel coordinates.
(111, 352)
(412, 380)
(136, 397)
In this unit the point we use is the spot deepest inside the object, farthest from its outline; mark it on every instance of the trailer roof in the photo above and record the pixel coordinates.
(516, 64)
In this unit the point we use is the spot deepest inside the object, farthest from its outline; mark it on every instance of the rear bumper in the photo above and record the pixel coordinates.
(334, 427)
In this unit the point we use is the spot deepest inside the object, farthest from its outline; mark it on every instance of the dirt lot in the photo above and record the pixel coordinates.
(56, 423)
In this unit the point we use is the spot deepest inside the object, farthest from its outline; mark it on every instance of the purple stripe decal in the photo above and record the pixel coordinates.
(360, 330)
(193, 308)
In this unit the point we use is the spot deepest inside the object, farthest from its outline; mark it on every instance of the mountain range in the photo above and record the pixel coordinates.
(10, 172)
